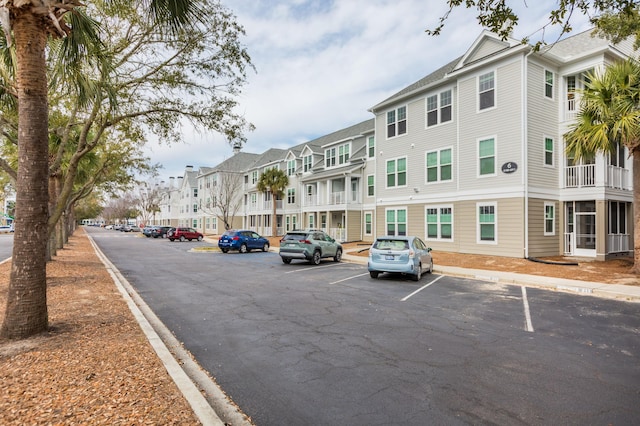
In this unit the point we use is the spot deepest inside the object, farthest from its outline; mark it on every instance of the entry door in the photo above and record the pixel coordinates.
(585, 228)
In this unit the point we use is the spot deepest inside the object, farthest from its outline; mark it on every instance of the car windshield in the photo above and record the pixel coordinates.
(389, 244)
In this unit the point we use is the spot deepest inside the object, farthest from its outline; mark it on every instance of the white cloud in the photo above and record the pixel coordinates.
(321, 64)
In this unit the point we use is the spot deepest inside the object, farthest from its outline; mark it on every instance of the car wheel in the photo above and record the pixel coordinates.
(418, 274)
(265, 247)
(225, 250)
(286, 260)
(338, 256)
(200, 238)
(243, 248)
(182, 239)
(374, 274)
(316, 257)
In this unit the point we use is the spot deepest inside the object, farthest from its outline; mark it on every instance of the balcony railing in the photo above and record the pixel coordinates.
(580, 176)
(618, 178)
(337, 198)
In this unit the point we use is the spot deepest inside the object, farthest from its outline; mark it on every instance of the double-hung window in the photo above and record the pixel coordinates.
(343, 154)
(549, 219)
(486, 91)
(487, 223)
(397, 122)
(548, 152)
(330, 157)
(254, 177)
(291, 167)
(397, 172)
(439, 165)
(371, 147)
(548, 84)
(440, 223)
(396, 221)
(368, 223)
(371, 185)
(291, 196)
(487, 157)
(439, 108)
(307, 162)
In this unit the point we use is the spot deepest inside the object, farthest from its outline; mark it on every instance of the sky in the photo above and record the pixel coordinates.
(322, 64)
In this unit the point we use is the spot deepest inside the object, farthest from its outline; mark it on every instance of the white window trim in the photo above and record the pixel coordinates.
(386, 181)
(544, 152)
(438, 108)
(495, 156)
(544, 85)
(495, 222)
(364, 223)
(426, 224)
(544, 218)
(386, 124)
(304, 163)
(495, 91)
(374, 148)
(439, 165)
(386, 227)
(291, 172)
(374, 185)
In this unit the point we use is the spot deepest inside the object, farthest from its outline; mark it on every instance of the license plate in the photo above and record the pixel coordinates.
(388, 257)
(291, 245)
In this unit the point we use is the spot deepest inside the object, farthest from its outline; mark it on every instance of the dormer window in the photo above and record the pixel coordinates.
(337, 155)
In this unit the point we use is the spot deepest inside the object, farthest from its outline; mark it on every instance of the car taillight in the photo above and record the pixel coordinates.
(411, 254)
(305, 241)
(236, 238)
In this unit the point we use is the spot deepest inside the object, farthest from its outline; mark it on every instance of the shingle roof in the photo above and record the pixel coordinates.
(236, 163)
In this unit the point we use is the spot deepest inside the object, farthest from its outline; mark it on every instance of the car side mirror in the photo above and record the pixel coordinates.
(429, 249)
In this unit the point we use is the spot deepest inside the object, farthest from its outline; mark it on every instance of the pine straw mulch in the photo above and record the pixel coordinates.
(94, 366)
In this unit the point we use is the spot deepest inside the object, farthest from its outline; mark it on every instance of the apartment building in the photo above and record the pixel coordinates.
(471, 158)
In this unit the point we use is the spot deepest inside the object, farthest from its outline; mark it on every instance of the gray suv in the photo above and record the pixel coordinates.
(311, 245)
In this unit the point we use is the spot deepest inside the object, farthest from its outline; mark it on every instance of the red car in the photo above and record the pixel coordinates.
(184, 234)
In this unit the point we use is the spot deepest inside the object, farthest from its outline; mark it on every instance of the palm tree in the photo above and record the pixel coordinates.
(610, 115)
(31, 24)
(273, 181)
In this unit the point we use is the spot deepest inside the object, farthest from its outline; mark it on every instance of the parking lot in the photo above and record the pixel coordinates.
(326, 344)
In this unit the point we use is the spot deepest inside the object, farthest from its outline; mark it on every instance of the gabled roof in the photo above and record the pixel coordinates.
(577, 46)
(362, 128)
(268, 157)
(487, 44)
(337, 171)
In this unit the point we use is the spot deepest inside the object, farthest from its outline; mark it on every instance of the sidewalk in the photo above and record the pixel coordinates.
(617, 291)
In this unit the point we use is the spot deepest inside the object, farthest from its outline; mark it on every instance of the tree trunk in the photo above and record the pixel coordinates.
(636, 212)
(26, 312)
(274, 219)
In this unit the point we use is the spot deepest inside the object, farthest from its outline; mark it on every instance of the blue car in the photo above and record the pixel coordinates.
(402, 254)
(242, 240)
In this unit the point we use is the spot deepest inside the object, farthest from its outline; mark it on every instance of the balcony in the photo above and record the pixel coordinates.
(586, 176)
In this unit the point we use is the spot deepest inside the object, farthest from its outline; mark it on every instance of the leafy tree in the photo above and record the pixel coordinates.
(104, 102)
(148, 200)
(273, 181)
(615, 19)
(610, 115)
(223, 198)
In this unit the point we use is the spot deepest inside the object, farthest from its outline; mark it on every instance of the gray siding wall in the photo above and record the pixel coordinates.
(503, 123)
(541, 124)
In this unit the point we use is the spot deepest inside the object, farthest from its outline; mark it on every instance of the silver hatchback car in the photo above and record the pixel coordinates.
(401, 254)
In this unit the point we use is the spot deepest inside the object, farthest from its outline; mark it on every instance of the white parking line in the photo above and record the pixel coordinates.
(314, 268)
(527, 313)
(420, 289)
(350, 278)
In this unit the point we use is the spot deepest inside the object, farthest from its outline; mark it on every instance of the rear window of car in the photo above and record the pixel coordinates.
(295, 237)
(229, 233)
(389, 244)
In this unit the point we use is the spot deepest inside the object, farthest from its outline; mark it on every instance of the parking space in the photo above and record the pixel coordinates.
(446, 348)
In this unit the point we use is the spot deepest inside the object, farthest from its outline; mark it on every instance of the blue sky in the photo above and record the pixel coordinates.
(320, 65)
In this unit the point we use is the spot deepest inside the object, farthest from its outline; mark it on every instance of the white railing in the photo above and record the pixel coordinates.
(336, 198)
(618, 178)
(580, 176)
(571, 108)
(617, 243)
(311, 200)
(568, 244)
(338, 234)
